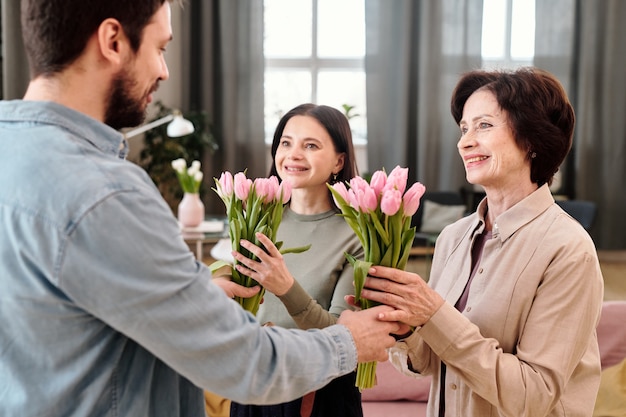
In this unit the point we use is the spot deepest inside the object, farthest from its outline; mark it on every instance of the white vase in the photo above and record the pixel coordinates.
(190, 210)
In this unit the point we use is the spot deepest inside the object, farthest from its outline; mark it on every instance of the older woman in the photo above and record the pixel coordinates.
(506, 324)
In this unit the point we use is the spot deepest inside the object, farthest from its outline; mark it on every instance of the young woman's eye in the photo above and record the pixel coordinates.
(310, 146)
(284, 143)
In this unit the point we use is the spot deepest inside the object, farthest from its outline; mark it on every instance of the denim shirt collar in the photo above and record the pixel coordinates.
(100, 135)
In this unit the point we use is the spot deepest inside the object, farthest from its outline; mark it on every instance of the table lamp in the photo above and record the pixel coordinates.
(179, 126)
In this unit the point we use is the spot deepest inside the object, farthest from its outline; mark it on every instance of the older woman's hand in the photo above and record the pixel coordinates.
(414, 301)
(269, 270)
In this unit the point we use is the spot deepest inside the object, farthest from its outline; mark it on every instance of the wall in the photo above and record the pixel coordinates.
(170, 91)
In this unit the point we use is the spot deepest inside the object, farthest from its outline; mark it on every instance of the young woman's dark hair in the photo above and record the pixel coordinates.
(337, 126)
(55, 32)
(538, 110)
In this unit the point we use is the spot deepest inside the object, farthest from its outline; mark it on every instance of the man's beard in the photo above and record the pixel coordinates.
(123, 110)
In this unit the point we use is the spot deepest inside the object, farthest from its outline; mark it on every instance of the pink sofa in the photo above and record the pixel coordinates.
(401, 396)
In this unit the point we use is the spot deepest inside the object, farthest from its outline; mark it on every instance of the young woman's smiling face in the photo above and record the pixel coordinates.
(306, 155)
(489, 151)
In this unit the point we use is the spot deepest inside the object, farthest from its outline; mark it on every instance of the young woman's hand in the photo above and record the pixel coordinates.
(269, 270)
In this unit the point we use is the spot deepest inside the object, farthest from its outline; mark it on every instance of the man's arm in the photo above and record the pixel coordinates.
(158, 295)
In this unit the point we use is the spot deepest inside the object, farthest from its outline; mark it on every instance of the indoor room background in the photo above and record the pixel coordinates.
(413, 52)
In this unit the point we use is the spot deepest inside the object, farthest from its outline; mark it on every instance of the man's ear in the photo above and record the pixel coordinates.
(112, 41)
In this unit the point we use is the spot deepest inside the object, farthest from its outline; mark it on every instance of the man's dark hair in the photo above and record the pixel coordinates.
(56, 32)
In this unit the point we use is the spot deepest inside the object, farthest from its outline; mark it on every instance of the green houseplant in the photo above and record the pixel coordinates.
(160, 150)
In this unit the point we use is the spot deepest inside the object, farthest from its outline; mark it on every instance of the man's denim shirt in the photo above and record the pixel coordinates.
(104, 310)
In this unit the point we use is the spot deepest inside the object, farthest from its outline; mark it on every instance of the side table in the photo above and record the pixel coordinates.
(211, 230)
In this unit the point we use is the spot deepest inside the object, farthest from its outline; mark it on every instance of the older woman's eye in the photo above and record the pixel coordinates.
(484, 125)
(463, 130)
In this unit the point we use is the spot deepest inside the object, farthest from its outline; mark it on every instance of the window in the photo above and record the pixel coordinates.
(314, 52)
(508, 33)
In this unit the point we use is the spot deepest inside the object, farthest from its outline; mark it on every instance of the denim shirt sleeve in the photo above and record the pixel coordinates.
(126, 264)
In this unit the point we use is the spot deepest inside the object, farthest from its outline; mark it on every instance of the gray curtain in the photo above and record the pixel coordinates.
(554, 37)
(554, 45)
(584, 44)
(415, 52)
(223, 60)
(15, 75)
(599, 98)
(417, 49)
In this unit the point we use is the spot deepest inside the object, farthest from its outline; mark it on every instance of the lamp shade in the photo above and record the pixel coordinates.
(179, 126)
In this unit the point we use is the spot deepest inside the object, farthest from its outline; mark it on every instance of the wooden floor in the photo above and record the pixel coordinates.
(612, 263)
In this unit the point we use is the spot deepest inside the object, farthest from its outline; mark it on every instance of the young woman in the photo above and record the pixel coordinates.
(312, 147)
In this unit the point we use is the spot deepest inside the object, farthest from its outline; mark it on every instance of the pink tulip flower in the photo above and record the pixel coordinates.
(340, 187)
(378, 181)
(353, 200)
(391, 201)
(411, 199)
(358, 183)
(225, 188)
(266, 189)
(273, 189)
(285, 189)
(242, 186)
(261, 188)
(397, 179)
(368, 201)
(358, 197)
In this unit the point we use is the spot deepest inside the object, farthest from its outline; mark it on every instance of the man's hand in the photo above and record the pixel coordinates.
(371, 336)
(233, 289)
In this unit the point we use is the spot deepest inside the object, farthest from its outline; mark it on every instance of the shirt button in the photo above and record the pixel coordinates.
(480, 271)
(453, 386)
(468, 309)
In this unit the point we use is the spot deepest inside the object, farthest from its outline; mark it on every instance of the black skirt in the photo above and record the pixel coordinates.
(340, 398)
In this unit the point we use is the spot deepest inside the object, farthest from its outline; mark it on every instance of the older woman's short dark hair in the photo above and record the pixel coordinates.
(538, 110)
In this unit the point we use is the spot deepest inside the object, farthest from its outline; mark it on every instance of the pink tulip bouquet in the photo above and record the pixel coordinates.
(251, 207)
(380, 214)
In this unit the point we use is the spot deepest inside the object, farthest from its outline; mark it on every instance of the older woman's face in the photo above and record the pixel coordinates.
(487, 146)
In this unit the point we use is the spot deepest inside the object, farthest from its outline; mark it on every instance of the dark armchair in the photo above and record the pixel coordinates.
(581, 210)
